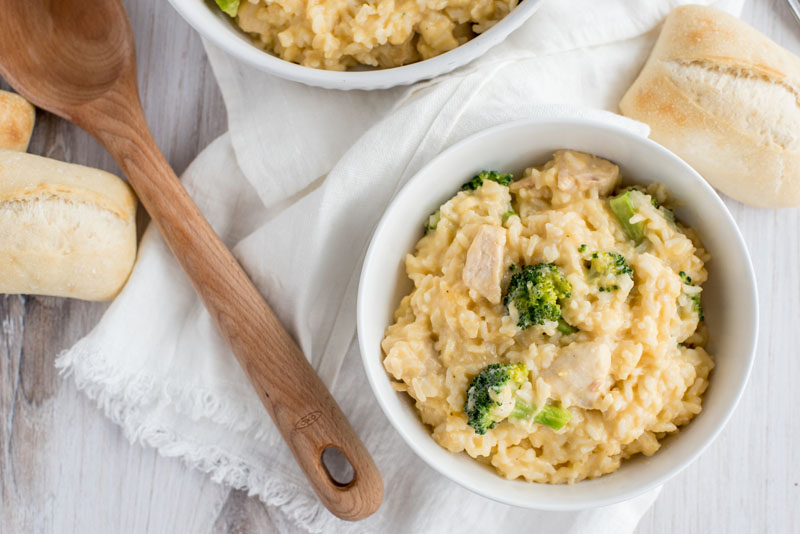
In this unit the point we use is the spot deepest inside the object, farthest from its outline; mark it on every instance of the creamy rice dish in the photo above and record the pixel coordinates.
(555, 326)
(337, 34)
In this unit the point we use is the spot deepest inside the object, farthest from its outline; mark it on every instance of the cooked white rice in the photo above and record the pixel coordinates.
(337, 34)
(445, 332)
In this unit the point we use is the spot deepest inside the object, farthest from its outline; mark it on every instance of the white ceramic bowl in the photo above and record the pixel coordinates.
(729, 300)
(218, 28)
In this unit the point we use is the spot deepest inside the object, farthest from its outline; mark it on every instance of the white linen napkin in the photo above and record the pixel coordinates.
(295, 189)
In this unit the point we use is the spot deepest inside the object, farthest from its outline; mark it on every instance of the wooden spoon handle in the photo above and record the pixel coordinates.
(301, 407)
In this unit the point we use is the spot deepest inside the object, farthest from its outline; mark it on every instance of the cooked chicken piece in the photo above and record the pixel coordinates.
(529, 182)
(579, 375)
(484, 265)
(580, 171)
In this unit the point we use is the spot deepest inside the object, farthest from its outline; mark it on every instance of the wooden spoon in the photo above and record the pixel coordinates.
(76, 58)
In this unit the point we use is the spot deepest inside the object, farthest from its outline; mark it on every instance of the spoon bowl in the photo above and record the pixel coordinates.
(69, 65)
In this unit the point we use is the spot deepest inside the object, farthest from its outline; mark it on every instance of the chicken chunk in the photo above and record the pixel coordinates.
(580, 374)
(483, 268)
(532, 182)
(582, 172)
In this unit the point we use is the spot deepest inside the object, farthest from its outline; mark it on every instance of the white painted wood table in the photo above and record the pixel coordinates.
(64, 468)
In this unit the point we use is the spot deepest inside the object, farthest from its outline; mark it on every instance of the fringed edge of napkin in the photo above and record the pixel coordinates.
(119, 395)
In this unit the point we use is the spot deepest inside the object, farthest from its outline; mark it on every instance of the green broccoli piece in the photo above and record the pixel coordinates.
(565, 328)
(494, 385)
(522, 410)
(653, 201)
(553, 416)
(535, 291)
(550, 415)
(509, 213)
(624, 207)
(603, 263)
(433, 221)
(605, 267)
(230, 7)
(697, 305)
(494, 176)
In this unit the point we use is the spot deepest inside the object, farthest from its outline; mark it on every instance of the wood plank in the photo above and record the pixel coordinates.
(63, 466)
(747, 481)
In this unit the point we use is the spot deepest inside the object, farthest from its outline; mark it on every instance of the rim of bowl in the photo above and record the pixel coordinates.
(234, 42)
(466, 481)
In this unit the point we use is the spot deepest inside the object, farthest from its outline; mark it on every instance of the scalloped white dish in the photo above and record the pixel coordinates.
(218, 28)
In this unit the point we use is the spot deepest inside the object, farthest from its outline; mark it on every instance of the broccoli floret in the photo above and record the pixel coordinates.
(605, 263)
(697, 305)
(490, 393)
(433, 221)
(494, 176)
(491, 398)
(605, 268)
(534, 293)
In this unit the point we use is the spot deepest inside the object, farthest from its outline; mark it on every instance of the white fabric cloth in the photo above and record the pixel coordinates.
(296, 188)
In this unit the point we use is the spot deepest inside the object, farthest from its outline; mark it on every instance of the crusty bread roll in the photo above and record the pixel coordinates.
(17, 116)
(65, 230)
(727, 100)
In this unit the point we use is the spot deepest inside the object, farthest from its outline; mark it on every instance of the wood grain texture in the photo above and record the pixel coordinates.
(64, 468)
(83, 68)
